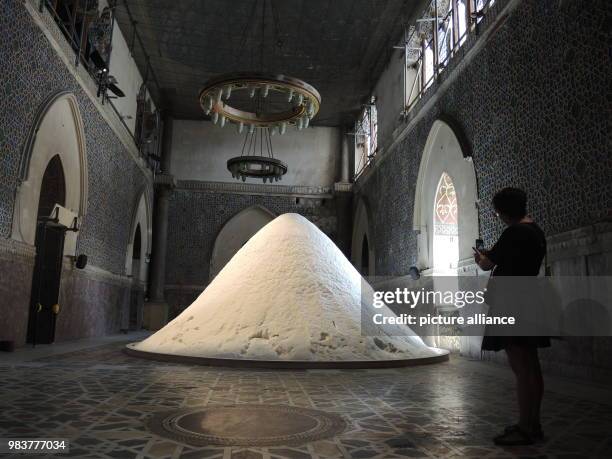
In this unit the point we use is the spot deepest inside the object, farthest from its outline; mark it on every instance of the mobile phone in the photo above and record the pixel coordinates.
(479, 245)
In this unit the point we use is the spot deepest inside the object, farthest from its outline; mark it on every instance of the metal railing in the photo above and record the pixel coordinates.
(366, 138)
(436, 38)
(74, 27)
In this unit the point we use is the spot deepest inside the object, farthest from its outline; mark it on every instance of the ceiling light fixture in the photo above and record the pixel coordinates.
(265, 104)
(279, 100)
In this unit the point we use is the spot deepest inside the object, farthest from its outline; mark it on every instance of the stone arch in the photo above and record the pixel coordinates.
(362, 232)
(235, 233)
(444, 153)
(57, 131)
(141, 218)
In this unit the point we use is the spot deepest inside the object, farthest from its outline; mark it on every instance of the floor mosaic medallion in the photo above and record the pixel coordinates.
(247, 425)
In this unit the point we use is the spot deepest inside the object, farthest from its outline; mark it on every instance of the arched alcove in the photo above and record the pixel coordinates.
(362, 237)
(235, 233)
(443, 155)
(56, 140)
(141, 227)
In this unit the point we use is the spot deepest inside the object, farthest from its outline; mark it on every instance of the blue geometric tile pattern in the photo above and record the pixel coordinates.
(31, 72)
(534, 105)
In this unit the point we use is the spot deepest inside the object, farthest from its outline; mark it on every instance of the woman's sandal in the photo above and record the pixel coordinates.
(514, 436)
(536, 435)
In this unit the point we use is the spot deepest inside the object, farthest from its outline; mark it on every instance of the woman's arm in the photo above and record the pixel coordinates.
(481, 260)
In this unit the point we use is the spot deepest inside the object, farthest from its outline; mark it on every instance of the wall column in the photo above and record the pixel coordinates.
(343, 195)
(156, 311)
(345, 162)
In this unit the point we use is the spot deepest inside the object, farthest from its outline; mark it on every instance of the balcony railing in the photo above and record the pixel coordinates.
(434, 40)
(88, 34)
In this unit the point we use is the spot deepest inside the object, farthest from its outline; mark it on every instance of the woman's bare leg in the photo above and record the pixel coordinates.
(536, 389)
(520, 362)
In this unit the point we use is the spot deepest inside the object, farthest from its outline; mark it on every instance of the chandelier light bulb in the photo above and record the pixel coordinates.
(219, 94)
(266, 90)
(306, 121)
(251, 128)
(240, 127)
(222, 123)
(283, 128)
(227, 92)
(291, 94)
(300, 99)
(215, 117)
(310, 108)
(252, 91)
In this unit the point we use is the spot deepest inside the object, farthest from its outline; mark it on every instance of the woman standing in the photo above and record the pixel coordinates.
(518, 252)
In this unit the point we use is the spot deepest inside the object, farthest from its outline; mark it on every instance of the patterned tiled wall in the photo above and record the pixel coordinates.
(30, 72)
(535, 106)
(196, 217)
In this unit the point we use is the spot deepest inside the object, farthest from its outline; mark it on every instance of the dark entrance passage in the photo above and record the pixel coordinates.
(49, 242)
(137, 295)
(46, 282)
(365, 257)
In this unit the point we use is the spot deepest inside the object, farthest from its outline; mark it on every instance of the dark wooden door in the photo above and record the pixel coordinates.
(46, 282)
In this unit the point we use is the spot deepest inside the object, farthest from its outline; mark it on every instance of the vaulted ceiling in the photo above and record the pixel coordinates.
(339, 46)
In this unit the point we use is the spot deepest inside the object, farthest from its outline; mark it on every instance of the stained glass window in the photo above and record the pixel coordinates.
(445, 212)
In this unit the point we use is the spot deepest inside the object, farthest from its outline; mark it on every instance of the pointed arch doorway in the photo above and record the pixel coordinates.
(53, 171)
(49, 243)
(445, 217)
(235, 233)
(446, 178)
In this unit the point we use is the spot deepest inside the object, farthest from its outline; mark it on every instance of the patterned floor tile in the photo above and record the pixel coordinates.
(102, 399)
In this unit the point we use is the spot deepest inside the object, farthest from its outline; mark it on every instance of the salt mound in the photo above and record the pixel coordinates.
(288, 294)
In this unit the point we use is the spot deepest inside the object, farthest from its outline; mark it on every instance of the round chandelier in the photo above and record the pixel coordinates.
(257, 158)
(279, 101)
(261, 104)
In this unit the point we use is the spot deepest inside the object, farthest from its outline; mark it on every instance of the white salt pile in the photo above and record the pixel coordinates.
(288, 294)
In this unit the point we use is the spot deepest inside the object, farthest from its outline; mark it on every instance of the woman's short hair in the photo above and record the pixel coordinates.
(511, 202)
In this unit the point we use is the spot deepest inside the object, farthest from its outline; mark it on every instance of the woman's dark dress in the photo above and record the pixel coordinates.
(518, 252)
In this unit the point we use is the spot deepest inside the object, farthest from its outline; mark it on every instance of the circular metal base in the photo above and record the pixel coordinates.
(285, 364)
(247, 425)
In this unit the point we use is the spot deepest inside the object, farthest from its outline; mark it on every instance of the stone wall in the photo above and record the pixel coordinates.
(531, 104)
(196, 217)
(32, 71)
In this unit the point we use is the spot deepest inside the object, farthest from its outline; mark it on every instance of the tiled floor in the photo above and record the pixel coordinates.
(100, 399)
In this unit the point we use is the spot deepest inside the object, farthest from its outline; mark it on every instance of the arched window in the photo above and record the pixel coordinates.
(53, 187)
(446, 227)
